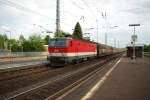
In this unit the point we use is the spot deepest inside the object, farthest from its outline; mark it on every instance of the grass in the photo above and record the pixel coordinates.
(147, 54)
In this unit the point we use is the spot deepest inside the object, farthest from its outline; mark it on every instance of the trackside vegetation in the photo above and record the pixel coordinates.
(147, 50)
(77, 34)
(33, 44)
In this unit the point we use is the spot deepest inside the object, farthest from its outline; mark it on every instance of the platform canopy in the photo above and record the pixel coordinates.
(136, 45)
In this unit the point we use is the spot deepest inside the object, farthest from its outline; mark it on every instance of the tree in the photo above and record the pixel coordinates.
(146, 48)
(46, 39)
(34, 44)
(60, 34)
(77, 34)
(21, 39)
(14, 45)
(3, 41)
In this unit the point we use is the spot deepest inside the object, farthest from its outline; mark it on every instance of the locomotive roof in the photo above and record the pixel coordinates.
(63, 38)
(68, 38)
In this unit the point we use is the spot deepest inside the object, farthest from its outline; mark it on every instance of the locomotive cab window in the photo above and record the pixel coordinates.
(58, 43)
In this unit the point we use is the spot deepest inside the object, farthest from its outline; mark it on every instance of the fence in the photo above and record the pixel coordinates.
(22, 54)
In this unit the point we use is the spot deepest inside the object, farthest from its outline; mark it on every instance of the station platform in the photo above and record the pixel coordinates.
(10, 64)
(127, 81)
(22, 64)
(19, 59)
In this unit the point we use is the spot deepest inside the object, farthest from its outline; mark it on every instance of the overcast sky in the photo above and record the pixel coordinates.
(18, 16)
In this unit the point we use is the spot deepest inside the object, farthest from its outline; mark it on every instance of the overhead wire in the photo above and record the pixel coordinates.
(63, 13)
(87, 5)
(77, 5)
(22, 8)
(71, 13)
(84, 10)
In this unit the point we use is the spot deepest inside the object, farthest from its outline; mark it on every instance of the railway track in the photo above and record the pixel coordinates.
(48, 84)
(8, 75)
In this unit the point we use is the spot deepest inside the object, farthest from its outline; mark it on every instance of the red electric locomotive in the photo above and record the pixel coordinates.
(66, 50)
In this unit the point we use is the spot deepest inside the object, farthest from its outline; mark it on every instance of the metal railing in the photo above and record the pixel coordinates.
(22, 54)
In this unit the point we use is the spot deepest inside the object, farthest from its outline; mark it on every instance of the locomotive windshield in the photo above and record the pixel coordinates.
(58, 43)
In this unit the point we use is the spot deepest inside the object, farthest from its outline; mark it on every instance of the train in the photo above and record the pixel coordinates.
(67, 50)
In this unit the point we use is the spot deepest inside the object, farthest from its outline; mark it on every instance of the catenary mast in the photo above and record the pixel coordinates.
(57, 18)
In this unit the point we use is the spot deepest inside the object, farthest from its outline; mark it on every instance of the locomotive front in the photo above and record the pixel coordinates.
(57, 49)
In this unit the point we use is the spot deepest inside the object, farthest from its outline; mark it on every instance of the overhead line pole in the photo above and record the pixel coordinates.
(97, 29)
(57, 17)
(105, 18)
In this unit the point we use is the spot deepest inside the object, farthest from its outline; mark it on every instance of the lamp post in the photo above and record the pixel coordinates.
(106, 37)
(5, 43)
(20, 43)
(10, 43)
(10, 39)
(134, 39)
(88, 33)
(46, 30)
(97, 29)
(118, 44)
(114, 42)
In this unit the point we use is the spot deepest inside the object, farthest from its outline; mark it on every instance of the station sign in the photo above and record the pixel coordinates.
(134, 38)
(134, 24)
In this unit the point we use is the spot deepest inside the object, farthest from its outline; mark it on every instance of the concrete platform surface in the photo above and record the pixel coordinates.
(16, 59)
(21, 65)
(127, 81)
